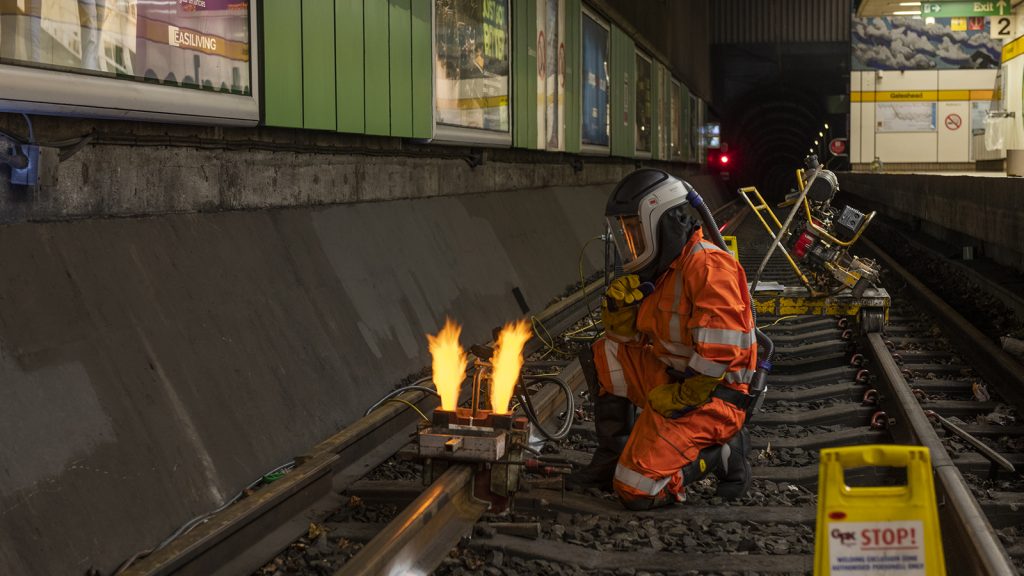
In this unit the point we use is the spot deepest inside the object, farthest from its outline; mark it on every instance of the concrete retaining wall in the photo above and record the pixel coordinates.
(152, 366)
(987, 213)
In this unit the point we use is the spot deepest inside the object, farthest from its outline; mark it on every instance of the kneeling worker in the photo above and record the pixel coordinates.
(679, 344)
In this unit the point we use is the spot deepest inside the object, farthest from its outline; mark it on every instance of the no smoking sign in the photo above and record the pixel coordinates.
(953, 122)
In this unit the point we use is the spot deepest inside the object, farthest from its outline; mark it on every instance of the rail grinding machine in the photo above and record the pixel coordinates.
(815, 239)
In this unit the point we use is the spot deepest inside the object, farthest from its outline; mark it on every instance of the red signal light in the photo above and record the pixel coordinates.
(724, 159)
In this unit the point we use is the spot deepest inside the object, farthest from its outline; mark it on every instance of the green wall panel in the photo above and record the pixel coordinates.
(684, 123)
(319, 108)
(524, 75)
(422, 70)
(348, 47)
(623, 73)
(377, 59)
(656, 73)
(573, 78)
(282, 64)
(520, 130)
(400, 54)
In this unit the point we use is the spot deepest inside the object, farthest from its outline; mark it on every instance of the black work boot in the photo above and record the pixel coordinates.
(613, 419)
(734, 474)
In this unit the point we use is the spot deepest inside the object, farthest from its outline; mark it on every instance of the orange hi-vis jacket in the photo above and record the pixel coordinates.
(697, 318)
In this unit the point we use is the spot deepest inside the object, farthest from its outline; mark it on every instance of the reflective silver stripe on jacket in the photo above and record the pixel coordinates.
(642, 483)
(619, 388)
(737, 338)
(707, 367)
(676, 349)
(741, 376)
(676, 362)
(704, 245)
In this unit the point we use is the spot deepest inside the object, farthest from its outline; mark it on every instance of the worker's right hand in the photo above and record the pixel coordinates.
(624, 290)
(619, 322)
(675, 399)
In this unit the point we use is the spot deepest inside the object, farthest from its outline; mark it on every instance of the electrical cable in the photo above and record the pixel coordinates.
(777, 321)
(550, 345)
(410, 405)
(415, 386)
(583, 280)
(188, 526)
(31, 132)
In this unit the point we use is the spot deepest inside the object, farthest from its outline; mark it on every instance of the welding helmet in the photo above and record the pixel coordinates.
(649, 222)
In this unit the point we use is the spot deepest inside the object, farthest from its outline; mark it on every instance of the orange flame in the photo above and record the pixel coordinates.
(449, 363)
(508, 361)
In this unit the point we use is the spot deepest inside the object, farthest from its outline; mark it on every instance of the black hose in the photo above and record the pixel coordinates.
(526, 403)
(759, 382)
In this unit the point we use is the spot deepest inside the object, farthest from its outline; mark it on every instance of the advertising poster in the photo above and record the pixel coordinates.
(905, 116)
(979, 111)
(472, 70)
(192, 43)
(595, 83)
(550, 73)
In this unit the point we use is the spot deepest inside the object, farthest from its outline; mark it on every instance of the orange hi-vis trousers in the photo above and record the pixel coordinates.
(697, 318)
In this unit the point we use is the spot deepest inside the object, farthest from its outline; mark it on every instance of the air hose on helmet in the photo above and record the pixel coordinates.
(759, 382)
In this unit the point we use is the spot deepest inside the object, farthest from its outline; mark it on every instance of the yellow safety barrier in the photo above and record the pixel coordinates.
(733, 245)
(877, 530)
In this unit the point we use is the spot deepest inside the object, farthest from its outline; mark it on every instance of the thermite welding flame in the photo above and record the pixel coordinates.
(508, 361)
(449, 363)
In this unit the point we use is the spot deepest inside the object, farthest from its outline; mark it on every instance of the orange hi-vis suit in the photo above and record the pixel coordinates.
(698, 317)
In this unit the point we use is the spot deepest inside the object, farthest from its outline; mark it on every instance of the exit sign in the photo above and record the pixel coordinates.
(961, 9)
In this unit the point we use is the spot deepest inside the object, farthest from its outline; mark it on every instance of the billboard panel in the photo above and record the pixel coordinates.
(471, 45)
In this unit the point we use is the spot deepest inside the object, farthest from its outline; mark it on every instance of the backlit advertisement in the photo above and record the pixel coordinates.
(595, 83)
(550, 73)
(201, 44)
(471, 44)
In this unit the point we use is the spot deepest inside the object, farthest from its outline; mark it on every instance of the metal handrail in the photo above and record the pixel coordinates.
(763, 206)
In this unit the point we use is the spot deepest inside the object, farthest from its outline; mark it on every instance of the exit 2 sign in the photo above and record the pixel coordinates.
(960, 9)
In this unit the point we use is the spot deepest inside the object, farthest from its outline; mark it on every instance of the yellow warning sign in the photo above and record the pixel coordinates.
(865, 531)
(733, 245)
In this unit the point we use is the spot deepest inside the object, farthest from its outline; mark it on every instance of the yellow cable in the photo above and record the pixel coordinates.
(410, 405)
(551, 345)
(584, 329)
(777, 321)
(583, 281)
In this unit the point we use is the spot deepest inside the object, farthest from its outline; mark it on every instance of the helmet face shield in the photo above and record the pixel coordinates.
(628, 233)
(634, 211)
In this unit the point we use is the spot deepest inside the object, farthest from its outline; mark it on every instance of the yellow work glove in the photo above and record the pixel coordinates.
(620, 324)
(675, 398)
(625, 290)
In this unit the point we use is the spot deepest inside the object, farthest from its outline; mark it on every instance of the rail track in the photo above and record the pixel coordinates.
(242, 537)
(920, 381)
(917, 382)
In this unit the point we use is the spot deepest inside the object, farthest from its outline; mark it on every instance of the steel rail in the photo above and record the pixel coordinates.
(967, 534)
(998, 368)
(421, 536)
(248, 533)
